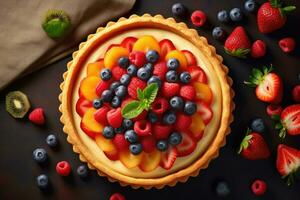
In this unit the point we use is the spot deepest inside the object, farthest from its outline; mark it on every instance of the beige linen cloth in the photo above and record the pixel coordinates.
(24, 46)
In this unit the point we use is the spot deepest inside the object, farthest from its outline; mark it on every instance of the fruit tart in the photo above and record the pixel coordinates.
(146, 102)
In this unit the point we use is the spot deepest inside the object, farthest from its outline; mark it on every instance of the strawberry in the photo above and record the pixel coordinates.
(148, 144)
(168, 158)
(133, 85)
(161, 131)
(269, 87)
(296, 93)
(114, 117)
(103, 85)
(258, 49)
(142, 128)
(288, 162)
(170, 89)
(82, 105)
(120, 142)
(128, 43)
(190, 58)
(197, 74)
(254, 147)
(274, 110)
(160, 105)
(187, 92)
(160, 70)
(289, 121)
(205, 111)
(187, 145)
(100, 115)
(165, 47)
(185, 122)
(287, 45)
(37, 116)
(238, 44)
(272, 16)
(138, 58)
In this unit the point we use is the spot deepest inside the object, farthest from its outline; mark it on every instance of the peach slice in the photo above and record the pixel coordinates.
(105, 144)
(130, 160)
(146, 43)
(203, 92)
(113, 54)
(89, 125)
(180, 57)
(197, 127)
(93, 69)
(88, 87)
(150, 161)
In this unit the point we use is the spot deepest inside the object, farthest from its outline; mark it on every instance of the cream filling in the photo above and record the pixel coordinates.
(209, 132)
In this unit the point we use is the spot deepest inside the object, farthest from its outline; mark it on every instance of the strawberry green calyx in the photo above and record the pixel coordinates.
(240, 53)
(257, 76)
(280, 126)
(292, 176)
(245, 142)
(283, 10)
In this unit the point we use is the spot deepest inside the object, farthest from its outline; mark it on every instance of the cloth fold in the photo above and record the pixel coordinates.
(26, 47)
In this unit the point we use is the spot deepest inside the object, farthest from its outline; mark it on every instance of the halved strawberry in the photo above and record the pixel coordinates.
(165, 47)
(128, 43)
(168, 158)
(82, 105)
(197, 74)
(187, 145)
(190, 58)
(288, 162)
(205, 111)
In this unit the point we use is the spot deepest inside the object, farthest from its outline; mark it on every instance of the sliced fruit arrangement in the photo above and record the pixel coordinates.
(131, 100)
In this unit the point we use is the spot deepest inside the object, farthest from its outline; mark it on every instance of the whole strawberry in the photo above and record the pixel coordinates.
(238, 44)
(269, 87)
(272, 16)
(254, 147)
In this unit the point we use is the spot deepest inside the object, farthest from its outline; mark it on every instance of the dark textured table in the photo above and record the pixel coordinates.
(18, 138)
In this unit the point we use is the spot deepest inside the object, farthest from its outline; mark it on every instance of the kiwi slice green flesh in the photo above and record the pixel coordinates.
(56, 23)
(17, 104)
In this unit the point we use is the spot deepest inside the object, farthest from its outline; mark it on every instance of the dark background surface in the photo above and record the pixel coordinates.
(18, 138)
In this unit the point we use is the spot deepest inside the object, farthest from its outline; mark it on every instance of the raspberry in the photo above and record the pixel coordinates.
(117, 72)
(198, 18)
(258, 49)
(296, 93)
(142, 128)
(117, 196)
(274, 110)
(103, 85)
(161, 131)
(160, 105)
(148, 144)
(100, 115)
(170, 89)
(259, 187)
(142, 116)
(133, 85)
(185, 122)
(114, 117)
(138, 58)
(63, 168)
(187, 92)
(120, 142)
(37, 116)
(287, 45)
(160, 70)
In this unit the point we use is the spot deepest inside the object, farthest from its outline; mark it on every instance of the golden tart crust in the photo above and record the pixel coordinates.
(146, 21)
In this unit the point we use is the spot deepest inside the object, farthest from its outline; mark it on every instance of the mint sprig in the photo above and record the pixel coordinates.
(145, 98)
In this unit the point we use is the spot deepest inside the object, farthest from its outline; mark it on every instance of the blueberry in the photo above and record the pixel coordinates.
(106, 95)
(162, 145)
(236, 14)
(135, 148)
(40, 155)
(121, 91)
(152, 56)
(97, 103)
(218, 33)
(123, 62)
(154, 79)
(114, 85)
(125, 79)
(185, 77)
(143, 73)
(223, 16)
(258, 125)
(82, 171)
(175, 138)
(172, 64)
(119, 129)
(42, 181)
(176, 103)
(116, 102)
(178, 10)
(127, 123)
(51, 140)
(132, 70)
(169, 117)
(152, 117)
(190, 108)
(222, 189)
(171, 76)
(105, 74)
(108, 132)
(131, 136)
(149, 67)
(250, 5)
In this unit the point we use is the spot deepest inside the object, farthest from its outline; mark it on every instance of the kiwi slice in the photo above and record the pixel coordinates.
(17, 104)
(56, 23)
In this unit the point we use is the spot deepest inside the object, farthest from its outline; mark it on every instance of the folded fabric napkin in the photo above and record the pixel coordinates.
(26, 47)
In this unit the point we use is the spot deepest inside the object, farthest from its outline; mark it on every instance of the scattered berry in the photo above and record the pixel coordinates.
(223, 16)
(258, 125)
(117, 196)
(170, 89)
(173, 64)
(154, 79)
(222, 189)
(133, 85)
(176, 103)
(97, 103)
(142, 128)
(250, 5)
(121, 91)
(160, 105)
(169, 117)
(131, 136)
(52, 140)
(175, 138)
(82, 171)
(152, 56)
(40, 155)
(236, 14)
(162, 145)
(185, 122)
(115, 102)
(123, 62)
(152, 117)
(103, 85)
(198, 18)
(148, 144)
(149, 67)
(161, 131)
(187, 92)
(274, 110)
(120, 142)
(114, 117)
(287, 45)
(178, 10)
(100, 115)
(127, 123)
(105, 74)
(135, 148)
(63, 168)
(108, 132)
(259, 187)
(171, 76)
(190, 108)
(42, 181)
(132, 70)
(143, 73)
(138, 58)
(185, 77)
(218, 33)
(119, 129)
(125, 79)
(37, 116)
(117, 72)
(258, 49)
(107, 95)
(160, 70)
(296, 93)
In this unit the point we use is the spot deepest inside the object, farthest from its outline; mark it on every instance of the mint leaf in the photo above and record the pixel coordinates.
(132, 109)
(150, 92)
(140, 94)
